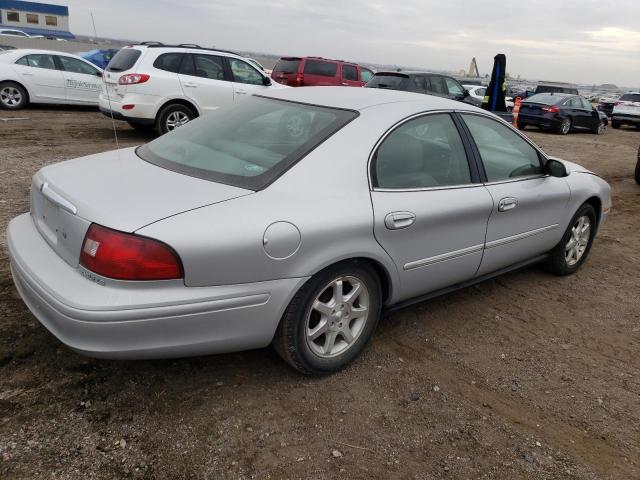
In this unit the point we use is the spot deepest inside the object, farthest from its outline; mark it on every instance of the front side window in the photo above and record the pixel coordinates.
(317, 67)
(38, 61)
(455, 89)
(51, 20)
(245, 73)
(169, 62)
(247, 146)
(349, 72)
(125, 59)
(586, 104)
(208, 66)
(505, 155)
(574, 102)
(76, 66)
(436, 86)
(32, 18)
(13, 17)
(421, 153)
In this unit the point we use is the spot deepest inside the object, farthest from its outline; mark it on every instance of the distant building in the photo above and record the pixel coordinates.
(35, 18)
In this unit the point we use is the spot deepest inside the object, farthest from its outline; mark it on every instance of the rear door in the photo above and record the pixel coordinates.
(528, 206)
(454, 89)
(206, 81)
(349, 74)
(82, 81)
(246, 79)
(320, 72)
(577, 112)
(436, 86)
(430, 209)
(39, 73)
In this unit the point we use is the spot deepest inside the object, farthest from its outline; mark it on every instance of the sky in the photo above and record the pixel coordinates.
(584, 41)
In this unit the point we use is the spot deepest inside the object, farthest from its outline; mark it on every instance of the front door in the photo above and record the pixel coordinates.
(206, 82)
(83, 82)
(39, 73)
(246, 79)
(430, 211)
(528, 206)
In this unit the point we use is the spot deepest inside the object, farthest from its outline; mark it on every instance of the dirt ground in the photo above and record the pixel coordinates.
(528, 376)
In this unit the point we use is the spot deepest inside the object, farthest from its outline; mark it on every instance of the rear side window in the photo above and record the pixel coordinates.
(323, 69)
(169, 62)
(349, 72)
(421, 153)
(393, 82)
(505, 155)
(249, 145)
(586, 104)
(287, 65)
(630, 97)
(38, 60)
(418, 84)
(125, 59)
(208, 66)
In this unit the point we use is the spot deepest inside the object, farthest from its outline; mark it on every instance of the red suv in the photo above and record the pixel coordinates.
(316, 71)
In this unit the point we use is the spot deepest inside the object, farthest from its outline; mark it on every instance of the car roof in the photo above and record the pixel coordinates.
(19, 52)
(352, 98)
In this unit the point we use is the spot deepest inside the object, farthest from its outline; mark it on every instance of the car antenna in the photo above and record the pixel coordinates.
(106, 90)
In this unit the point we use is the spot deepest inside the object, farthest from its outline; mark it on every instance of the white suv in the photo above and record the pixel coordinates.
(162, 86)
(626, 111)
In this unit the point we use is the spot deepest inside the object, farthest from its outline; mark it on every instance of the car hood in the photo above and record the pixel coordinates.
(119, 190)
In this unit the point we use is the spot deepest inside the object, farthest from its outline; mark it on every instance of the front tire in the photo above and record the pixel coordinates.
(571, 252)
(173, 116)
(331, 319)
(13, 96)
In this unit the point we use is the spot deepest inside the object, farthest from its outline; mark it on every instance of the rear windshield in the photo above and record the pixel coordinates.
(554, 89)
(249, 145)
(545, 99)
(324, 69)
(630, 97)
(124, 60)
(387, 80)
(287, 65)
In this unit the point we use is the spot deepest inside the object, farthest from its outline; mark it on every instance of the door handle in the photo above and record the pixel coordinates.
(506, 204)
(190, 85)
(399, 220)
(241, 92)
(28, 74)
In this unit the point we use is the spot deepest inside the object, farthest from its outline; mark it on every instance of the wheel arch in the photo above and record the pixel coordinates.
(596, 203)
(22, 85)
(178, 101)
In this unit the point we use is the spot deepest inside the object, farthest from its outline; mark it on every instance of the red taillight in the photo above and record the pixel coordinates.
(553, 109)
(128, 106)
(133, 78)
(125, 256)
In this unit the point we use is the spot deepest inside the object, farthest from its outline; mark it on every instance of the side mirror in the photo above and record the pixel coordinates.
(555, 168)
(465, 93)
(98, 73)
(266, 81)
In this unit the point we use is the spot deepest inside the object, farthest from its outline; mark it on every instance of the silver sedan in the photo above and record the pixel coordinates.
(295, 219)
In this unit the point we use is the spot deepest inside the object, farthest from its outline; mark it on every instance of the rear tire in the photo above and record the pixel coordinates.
(13, 96)
(522, 126)
(599, 130)
(615, 124)
(173, 116)
(565, 127)
(325, 327)
(571, 252)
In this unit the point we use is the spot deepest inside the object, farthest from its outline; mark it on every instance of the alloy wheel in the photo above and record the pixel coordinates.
(337, 316)
(578, 241)
(10, 96)
(176, 119)
(565, 127)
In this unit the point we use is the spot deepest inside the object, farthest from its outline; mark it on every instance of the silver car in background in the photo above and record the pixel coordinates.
(294, 218)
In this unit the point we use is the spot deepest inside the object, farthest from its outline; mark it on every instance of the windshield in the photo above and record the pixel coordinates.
(630, 97)
(545, 99)
(124, 60)
(388, 80)
(249, 145)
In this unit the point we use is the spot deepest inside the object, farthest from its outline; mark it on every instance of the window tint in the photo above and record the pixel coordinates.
(38, 60)
(245, 73)
(208, 66)
(389, 80)
(574, 102)
(586, 104)
(51, 20)
(418, 84)
(287, 65)
(32, 18)
(349, 72)
(13, 17)
(124, 60)
(504, 153)
(630, 97)
(454, 87)
(76, 66)
(366, 74)
(436, 85)
(169, 62)
(317, 67)
(247, 146)
(424, 152)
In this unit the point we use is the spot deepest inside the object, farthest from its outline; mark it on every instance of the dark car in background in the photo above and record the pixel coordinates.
(318, 71)
(560, 112)
(421, 82)
(556, 87)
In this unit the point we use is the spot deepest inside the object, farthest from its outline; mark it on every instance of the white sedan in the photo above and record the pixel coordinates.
(42, 76)
(477, 93)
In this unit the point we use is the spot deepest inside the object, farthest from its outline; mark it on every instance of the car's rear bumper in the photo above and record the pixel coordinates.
(625, 118)
(115, 319)
(538, 120)
(119, 116)
(142, 108)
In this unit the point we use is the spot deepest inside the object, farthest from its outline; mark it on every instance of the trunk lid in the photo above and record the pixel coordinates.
(118, 190)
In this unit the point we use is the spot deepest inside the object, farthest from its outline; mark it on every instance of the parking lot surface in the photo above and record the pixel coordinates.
(527, 376)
